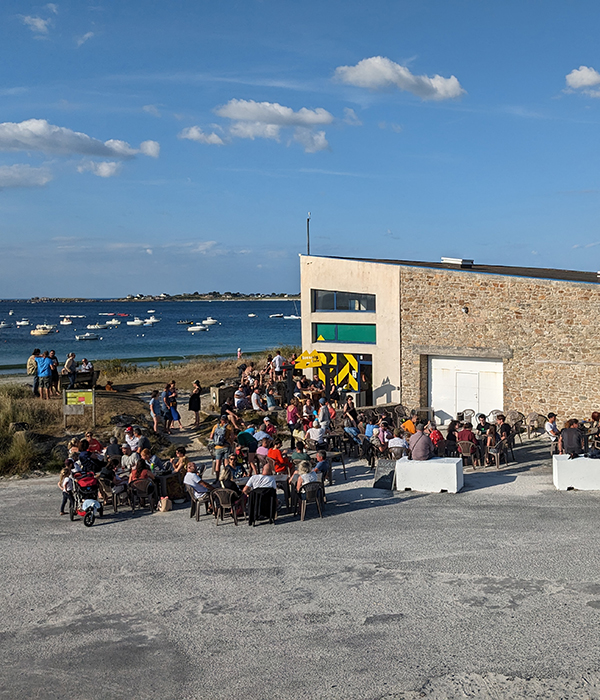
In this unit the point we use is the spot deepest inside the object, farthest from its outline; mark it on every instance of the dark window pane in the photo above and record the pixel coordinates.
(323, 301)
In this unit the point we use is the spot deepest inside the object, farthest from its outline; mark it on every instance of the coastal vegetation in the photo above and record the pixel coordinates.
(32, 433)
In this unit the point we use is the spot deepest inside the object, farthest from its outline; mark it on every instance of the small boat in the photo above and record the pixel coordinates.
(109, 313)
(66, 321)
(113, 322)
(46, 326)
(11, 312)
(276, 316)
(97, 326)
(187, 322)
(3, 324)
(22, 322)
(122, 314)
(148, 323)
(136, 322)
(197, 327)
(152, 319)
(40, 331)
(151, 311)
(251, 315)
(210, 321)
(293, 317)
(70, 316)
(88, 336)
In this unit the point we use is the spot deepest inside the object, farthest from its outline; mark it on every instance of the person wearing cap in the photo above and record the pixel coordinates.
(269, 427)
(324, 417)
(421, 447)
(131, 439)
(551, 428)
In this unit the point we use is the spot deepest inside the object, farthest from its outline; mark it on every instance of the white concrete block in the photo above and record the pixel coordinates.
(580, 473)
(430, 476)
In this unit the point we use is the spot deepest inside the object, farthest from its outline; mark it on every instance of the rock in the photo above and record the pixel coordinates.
(18, 427)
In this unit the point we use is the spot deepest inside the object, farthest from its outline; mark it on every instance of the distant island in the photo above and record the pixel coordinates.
(194, 296)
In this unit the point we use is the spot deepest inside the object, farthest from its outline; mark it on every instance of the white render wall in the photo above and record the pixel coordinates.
(383, 280)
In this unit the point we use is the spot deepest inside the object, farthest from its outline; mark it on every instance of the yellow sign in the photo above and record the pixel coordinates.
(80, 398)
(308, 359)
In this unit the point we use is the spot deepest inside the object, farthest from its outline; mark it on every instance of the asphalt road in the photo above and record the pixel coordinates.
(491, 593)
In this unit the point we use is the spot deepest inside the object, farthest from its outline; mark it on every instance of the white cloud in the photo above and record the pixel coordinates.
(21, 175)
(195, 133)
(102, 169)
(151, 109)
(82, 39)
(36, 24)
(39, 135)
(379, 73)
(312, 141)
(583, 78)
(253, 130)
(53, 7)
(397, 128)
(150, 148)
(273, 113)
(203, 247)
(351, 118)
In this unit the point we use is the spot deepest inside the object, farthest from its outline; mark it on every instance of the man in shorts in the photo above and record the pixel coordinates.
(44, 371)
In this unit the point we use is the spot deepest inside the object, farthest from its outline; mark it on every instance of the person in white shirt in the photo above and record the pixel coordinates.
(257, 403)
(131, 439)
(201, 488)
(316, 433)
(551, 428)
(277, 364)
(398, 440)
(266, 480)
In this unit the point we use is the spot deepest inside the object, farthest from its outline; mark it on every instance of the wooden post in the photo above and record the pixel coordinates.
(64, 404)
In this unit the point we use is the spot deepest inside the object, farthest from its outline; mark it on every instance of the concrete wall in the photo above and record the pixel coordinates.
(369, 278)
(544, 331)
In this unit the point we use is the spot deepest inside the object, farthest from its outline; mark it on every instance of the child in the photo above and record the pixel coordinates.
(175, 417)
(65, 484)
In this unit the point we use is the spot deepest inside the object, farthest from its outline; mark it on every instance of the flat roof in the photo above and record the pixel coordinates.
(537, 272)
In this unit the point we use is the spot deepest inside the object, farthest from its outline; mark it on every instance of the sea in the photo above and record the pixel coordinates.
(248, 325)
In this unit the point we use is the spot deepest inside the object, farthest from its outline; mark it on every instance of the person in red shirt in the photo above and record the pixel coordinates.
(434, 434)
(94, 445)
(281, 460)
(467, 435)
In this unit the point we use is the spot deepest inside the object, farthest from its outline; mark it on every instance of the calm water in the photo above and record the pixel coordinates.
(163, 340)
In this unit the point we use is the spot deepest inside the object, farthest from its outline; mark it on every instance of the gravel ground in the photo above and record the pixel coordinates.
(490, 593)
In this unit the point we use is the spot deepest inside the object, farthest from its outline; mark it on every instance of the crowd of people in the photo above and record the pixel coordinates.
(43, 367)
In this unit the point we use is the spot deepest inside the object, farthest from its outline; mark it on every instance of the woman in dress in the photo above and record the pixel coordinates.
(194, 402)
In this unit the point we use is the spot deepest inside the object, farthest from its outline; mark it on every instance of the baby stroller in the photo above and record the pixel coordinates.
(85, 498)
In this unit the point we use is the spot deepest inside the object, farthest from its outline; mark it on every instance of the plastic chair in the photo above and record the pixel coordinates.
(311, 493)
(142, 490)
(468, 452)
(440, 448)
(224, 500)
(195, 503)
(262, 503)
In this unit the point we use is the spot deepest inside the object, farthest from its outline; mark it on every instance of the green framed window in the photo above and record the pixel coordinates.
(345, 333)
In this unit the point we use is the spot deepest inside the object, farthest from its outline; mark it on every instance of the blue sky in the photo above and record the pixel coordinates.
(167, 147)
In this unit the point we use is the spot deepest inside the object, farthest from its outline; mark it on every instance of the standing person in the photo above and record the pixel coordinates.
(54, 391)
(44, 370)
(350, 412)
(70, 369)
(194, 402)
(166, 408)
(175, 416)
(222, 436)
(291, 416)
(65, 484)
(239, 353)
(277, 365)
(33, 372)
(155, 409)
(324, 417)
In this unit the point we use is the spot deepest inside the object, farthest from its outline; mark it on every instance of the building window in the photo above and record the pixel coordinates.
(344, 333)
(323, 300)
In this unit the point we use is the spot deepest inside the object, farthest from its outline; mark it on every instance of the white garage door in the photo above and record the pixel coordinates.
(457, 383)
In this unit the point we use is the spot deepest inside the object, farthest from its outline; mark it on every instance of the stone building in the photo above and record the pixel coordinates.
(455, 335)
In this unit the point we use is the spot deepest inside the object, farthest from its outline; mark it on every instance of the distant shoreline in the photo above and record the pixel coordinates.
(154, 300)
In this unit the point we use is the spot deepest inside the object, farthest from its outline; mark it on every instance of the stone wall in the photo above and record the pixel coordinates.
(544, 331)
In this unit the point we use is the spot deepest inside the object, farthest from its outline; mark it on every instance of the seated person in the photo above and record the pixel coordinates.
(385, 433)
(306, 475)
(451, 431)
(434, 434)
(129, 459)
(317, 434)
(270, 428)
(271, 401)
(225, 480)
(140, 471)
(201, 489)
(93, 444)
(421, 447)
(87, 459)
(109, 471)
(113, 449)
(551, 428)
(239, 399)
(351, 429)
(298, 432)
(261, 434)
(258, 404)
(398, 440)
(282, 462)
(323, 466)
(369, 428)
(299, 453)
(376, 441)
(409, 425)
(86, 366)
(317, 384)
(467, 434)
(142, 441)
(308, 410)
(503, 427)
(482, 426)
(153, 462)
(570, 440)
(265, 480)
(263, 449)
(235, 464)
